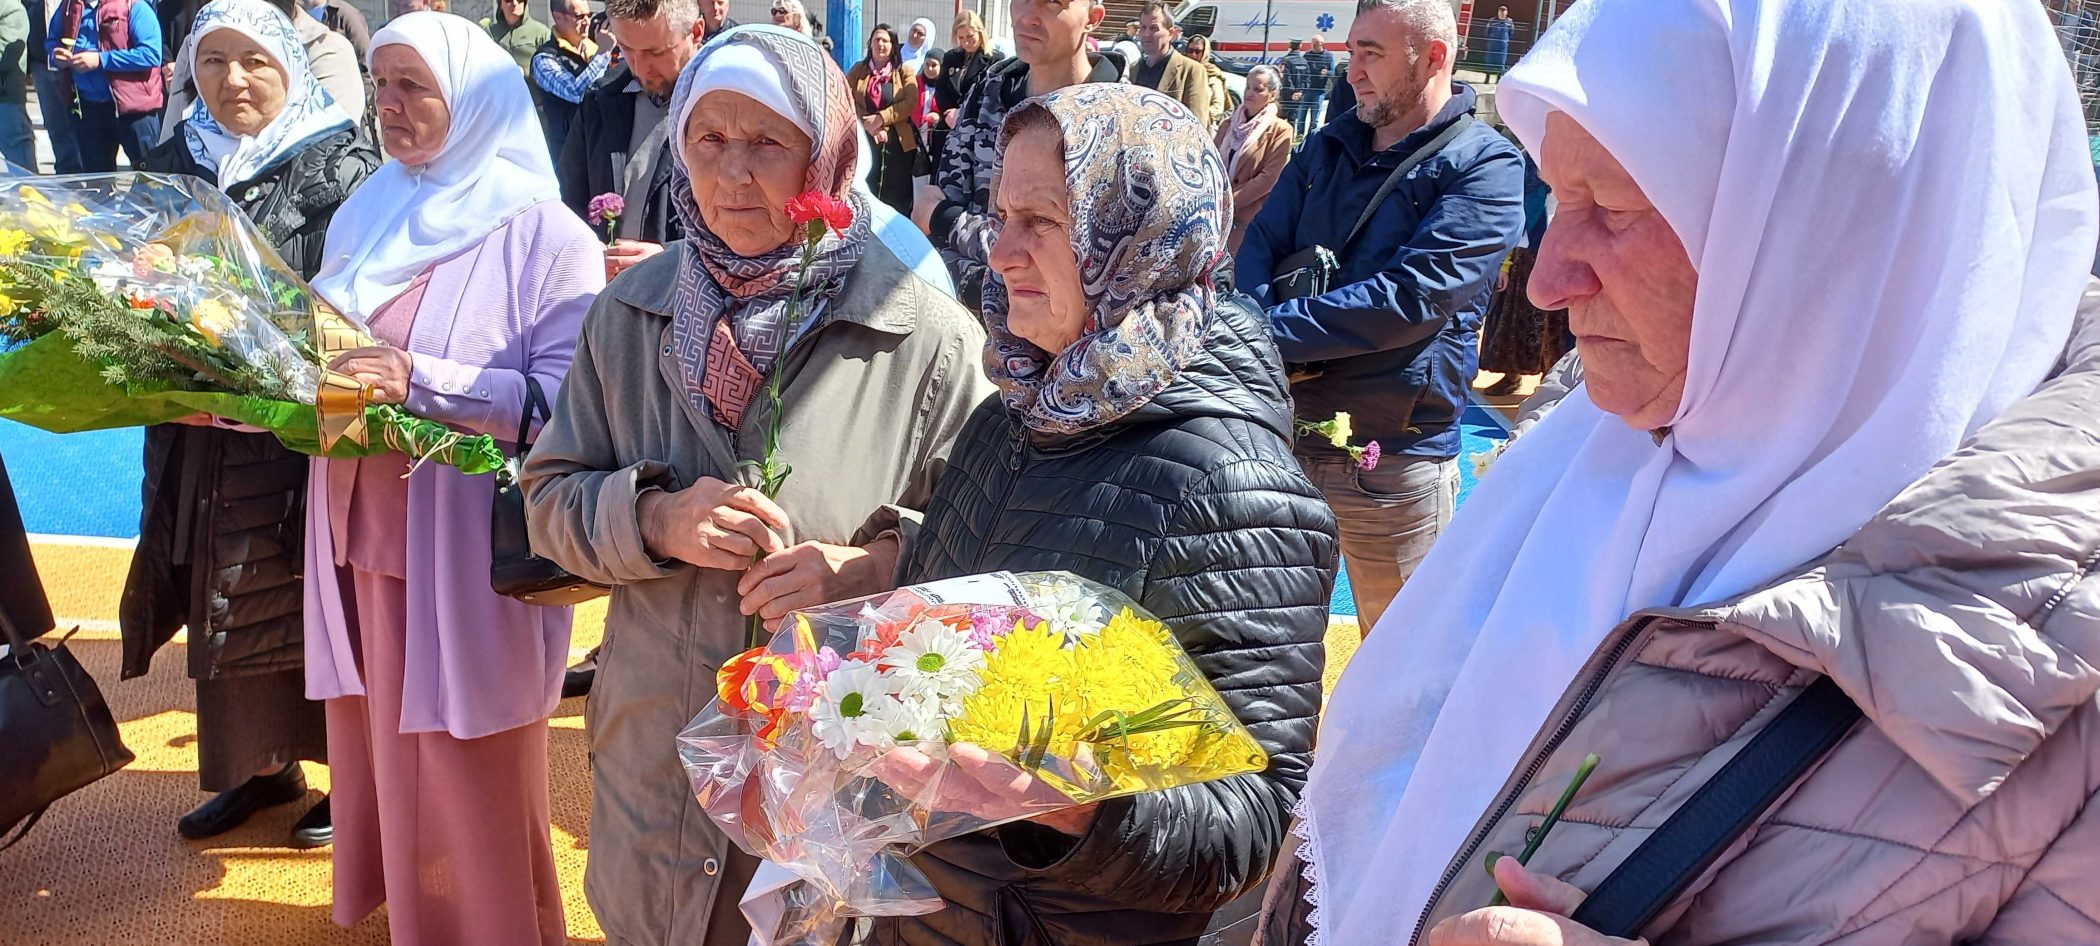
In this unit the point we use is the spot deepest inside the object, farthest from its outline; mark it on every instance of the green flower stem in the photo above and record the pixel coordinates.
(1582, 774)
(772, 470)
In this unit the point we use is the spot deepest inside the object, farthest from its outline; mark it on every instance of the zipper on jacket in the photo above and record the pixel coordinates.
(1531, 771)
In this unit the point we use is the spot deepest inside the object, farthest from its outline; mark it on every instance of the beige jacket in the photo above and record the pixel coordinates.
(874, 398)
(1256, 174)
(1964, 620)
(1185, 80)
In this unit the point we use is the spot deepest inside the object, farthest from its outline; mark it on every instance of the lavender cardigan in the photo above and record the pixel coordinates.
(477, 663)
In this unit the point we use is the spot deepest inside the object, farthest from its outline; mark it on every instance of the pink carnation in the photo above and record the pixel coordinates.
(1372, 452)
(606, 207)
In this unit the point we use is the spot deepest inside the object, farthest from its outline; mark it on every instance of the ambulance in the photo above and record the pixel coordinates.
(1255, 31)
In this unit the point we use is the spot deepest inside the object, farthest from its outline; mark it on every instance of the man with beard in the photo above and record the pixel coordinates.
(619, 142)
(1418, 202)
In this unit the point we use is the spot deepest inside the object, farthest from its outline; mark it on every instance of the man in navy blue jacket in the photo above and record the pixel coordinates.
(1393, 342)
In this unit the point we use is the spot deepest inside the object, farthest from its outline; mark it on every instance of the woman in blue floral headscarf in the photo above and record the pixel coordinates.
(1143, 442)
(220, 545)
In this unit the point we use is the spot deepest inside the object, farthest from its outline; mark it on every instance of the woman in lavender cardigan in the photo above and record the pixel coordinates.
(462, 259)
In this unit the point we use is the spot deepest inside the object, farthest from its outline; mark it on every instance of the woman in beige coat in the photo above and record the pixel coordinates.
(1256, 144)
(1858, 485)
(638, 483)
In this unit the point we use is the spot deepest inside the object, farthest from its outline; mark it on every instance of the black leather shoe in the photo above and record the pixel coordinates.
(315, 828)
(577, 682)
(232, 809)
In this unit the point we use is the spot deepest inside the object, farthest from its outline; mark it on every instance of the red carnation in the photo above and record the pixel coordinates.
(812, 206)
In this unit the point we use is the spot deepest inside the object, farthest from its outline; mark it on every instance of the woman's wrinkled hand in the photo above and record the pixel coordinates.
(1537, 915)
(976, 781)
(711, 524)
(873, 123)
(814, 573)
(382, 368)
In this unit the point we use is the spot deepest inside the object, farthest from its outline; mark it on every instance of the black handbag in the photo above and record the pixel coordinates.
(514, 571)
(1310, 271)
(57, 734)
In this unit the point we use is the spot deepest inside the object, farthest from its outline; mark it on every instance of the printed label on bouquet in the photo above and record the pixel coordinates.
(998, 588)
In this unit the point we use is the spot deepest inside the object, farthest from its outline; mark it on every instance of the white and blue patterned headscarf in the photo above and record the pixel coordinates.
(1150, 212)
(309, 113)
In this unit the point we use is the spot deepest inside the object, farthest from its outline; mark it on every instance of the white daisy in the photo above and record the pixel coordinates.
(1072, 609)
(842, 716)
(908, 719)
(933, 659)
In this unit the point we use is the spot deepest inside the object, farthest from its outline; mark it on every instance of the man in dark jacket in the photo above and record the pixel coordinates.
(1393, 341)
(1319, 77)
(956, 210)
(620, 141)
(1295, 79)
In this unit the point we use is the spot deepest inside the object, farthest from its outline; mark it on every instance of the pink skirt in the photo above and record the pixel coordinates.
(451, 834)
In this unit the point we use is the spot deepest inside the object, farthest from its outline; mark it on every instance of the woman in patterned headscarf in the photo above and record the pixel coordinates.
(639, 482)
(1142, 441)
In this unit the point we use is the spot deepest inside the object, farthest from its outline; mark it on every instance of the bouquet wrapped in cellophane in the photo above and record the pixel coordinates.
(869, 729)
(130, 299)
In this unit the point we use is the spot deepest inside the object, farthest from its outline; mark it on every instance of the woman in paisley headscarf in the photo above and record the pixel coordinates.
(639, 483)
(1143, 440)
(219, 537)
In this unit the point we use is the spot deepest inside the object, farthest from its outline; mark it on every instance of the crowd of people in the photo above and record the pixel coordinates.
(1826, 443)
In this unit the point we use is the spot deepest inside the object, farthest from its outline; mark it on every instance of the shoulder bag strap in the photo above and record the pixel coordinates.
(1720, 811)
(535, 403)
(1392, 180)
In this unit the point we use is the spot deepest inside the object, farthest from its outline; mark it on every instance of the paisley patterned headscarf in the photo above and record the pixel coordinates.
(1150, 212)
(730, 318)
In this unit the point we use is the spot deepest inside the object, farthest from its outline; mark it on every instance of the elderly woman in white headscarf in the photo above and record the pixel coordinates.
(1826, 503)
(218, 548)
(474, 277)
(641, 482)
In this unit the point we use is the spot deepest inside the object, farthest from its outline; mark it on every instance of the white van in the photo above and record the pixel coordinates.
(1252, 31)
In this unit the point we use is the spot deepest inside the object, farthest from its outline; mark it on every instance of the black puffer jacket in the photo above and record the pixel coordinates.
(1193, 506)
(221, 537)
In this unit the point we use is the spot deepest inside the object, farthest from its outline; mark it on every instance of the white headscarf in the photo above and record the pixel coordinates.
(915, 56)
(309, 113)
(1890, 207)
(492, 166)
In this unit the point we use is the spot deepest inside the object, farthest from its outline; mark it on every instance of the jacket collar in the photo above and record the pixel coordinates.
(1354, 136)
(1012, 76)
(881, 293)
(1959, 618)
(1238, 375)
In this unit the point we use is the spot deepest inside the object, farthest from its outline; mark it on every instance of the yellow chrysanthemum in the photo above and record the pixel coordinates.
(214, 320)
(13, 242)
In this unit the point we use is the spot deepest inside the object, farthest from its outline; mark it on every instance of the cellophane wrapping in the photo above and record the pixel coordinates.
(869, 729)
(133, 298)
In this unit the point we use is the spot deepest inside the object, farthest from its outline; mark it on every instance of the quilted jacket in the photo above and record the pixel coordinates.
(1964, 620)
(221, 534)
(1193, 506)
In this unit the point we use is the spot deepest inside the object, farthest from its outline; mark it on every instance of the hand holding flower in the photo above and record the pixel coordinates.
(711, 524)
(979, 782)
(1537, 915)
(814, 573)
